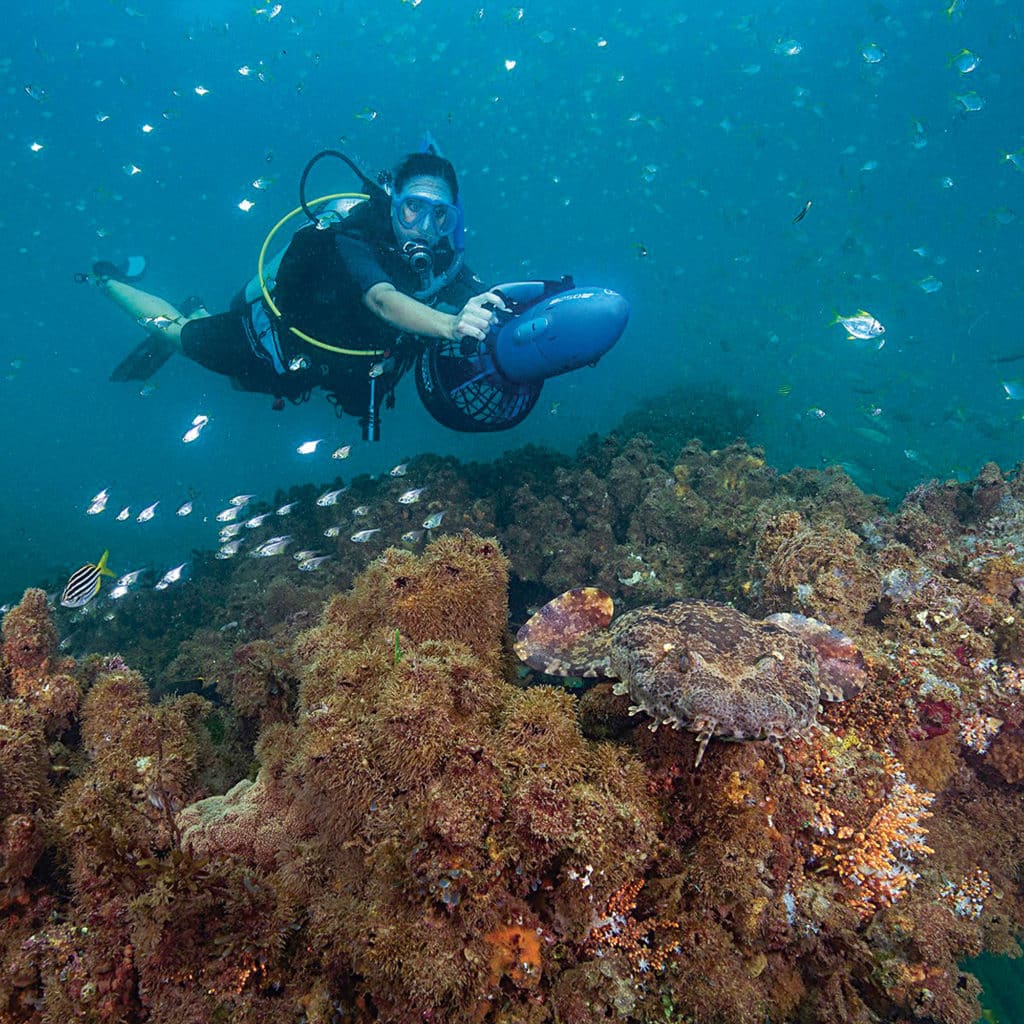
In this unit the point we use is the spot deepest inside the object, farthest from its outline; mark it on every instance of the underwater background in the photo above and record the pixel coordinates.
(662, 150)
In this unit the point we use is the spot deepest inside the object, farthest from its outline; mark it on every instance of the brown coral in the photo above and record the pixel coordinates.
(1007, 756)
(29, 635)
(34, 672)
(419, 784)
(24, 760)
(425, 841)
(815, 569)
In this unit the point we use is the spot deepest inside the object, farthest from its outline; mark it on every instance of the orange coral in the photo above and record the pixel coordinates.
(515, 953)
(617, 931)
(876, 865)
(871, 857)
(966, 898)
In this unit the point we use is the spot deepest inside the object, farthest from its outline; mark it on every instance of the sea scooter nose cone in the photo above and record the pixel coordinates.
(570, 330)
(600, 321)
(616, 311)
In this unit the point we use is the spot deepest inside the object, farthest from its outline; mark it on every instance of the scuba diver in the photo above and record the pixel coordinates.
(375, 282)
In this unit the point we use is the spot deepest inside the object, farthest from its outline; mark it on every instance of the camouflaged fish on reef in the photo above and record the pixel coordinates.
(699, 665)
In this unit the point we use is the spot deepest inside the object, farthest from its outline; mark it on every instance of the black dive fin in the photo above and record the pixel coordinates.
(128, 270)
(145, 359)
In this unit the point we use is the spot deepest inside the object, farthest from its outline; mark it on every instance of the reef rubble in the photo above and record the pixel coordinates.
(376, 814)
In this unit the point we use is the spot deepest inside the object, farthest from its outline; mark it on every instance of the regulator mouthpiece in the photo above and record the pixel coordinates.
(419, 257)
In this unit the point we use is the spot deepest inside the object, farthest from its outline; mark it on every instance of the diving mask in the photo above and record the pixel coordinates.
(422, 213)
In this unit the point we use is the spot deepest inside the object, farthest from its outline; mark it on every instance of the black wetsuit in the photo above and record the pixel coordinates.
(319, 291)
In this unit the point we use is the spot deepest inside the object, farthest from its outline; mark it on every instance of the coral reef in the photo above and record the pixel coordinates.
(365, 810)
(622, 515)
(672, 419)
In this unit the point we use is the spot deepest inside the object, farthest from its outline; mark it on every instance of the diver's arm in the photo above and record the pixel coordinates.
(407, 314)
(387, 302)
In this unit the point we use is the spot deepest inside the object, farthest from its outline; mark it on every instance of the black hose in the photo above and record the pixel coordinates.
(369, 185)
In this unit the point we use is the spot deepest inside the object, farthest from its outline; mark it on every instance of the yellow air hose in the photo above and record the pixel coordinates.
(272, 306)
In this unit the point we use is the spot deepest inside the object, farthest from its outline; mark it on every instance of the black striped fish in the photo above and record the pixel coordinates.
(84, 584)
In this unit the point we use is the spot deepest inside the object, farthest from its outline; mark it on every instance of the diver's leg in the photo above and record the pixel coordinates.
(156, 315)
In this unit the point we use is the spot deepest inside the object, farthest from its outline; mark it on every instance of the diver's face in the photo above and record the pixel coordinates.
(423, 211)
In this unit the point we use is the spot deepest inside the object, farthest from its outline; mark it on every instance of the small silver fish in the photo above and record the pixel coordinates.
(412, 536)
(256, 521)
(970, 101)
(400, 470)
(330, 497)
(129, 578)
(230, 531)
(117, 592)
(184, 509)
(147, 513)
(309, 564)
(160, 322)
(872, 53)
(361, 510)
(98, 504)
(308, 447)
(229, 549)
(274, 546)
(286, 510)
(964, 62)
(302, 556)
(229, 515)
(364, 535)
(171, 576)
(433, 521)
(124, 514)
(343, 452)
(241, 499)
(861, 326)
(332, 531)
(411, 497)
(196, 429)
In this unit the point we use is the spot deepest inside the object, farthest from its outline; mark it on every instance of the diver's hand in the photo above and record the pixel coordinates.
(474, 319)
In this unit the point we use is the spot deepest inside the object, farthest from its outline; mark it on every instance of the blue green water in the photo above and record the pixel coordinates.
(662, 150)
(1003, 995)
